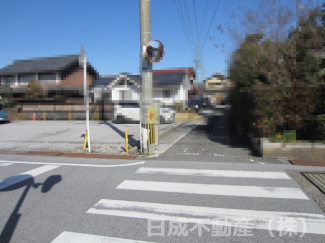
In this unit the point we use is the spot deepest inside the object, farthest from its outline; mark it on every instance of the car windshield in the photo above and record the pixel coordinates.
(130, 105)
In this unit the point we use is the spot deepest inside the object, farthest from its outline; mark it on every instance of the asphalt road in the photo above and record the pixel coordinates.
(95, 200)
(214, 141)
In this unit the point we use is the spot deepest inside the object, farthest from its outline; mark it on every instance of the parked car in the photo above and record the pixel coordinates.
(199, 103)
(3, 114)
(130, 113)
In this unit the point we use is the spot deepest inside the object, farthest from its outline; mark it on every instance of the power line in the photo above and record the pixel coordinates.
(184, 27)
(189, 21)
(210, 24)
(197, 32)
(206, 6)
(184, 22)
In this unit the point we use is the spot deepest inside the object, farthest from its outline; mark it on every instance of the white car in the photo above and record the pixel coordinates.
(130, 113)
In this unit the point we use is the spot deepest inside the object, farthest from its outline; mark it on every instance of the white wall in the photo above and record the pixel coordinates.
(117, 95)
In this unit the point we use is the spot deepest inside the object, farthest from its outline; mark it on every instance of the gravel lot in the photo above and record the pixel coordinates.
(63, 136)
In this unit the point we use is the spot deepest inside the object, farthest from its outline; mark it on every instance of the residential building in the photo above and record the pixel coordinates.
(216, 87)
(54, 73)
(169, 86)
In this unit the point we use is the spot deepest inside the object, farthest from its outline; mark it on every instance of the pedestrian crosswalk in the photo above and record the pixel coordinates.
(247, 218)
(204, 215)
(66, 236)
(25, 176)
(214, 173)
(207, 189)
(3, 164)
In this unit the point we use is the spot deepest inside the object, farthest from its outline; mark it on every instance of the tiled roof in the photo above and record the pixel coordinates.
(168, 79)
(45, 64)
(159, 80)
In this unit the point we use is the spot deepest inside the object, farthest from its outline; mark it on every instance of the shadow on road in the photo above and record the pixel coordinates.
(132, 142)
(28, 182)
(220, 129)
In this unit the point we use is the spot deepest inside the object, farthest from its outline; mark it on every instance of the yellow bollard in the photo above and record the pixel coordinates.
(126, 141)
(69, 115)
(85, 141)
(44, 116)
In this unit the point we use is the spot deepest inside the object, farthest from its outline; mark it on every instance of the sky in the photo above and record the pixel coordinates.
(110, 32)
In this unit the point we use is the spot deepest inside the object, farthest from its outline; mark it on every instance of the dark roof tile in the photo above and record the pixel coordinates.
(39, 65)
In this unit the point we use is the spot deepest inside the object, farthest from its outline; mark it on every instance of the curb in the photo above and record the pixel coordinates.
(76, 155)
(171, 129)
(307, 162)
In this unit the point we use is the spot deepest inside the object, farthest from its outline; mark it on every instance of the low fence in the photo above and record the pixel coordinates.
(103, 111)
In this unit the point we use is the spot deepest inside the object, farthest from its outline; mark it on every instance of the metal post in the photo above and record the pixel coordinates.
(146, 66)
(196, 64)
(86, 93)
(141, 137)
(126, 141)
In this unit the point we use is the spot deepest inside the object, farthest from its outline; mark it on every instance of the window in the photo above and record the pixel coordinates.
(23, 79)
(47, 77)
(8, 80)
(166, 94)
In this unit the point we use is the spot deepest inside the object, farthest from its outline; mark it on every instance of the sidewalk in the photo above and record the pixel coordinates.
(170, 138)
(76, 155)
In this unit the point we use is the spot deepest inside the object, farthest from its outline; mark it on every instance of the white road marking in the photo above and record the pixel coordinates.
(251, 160)
(26, 175)
(215, 173)
(173, 143)
(209, 189)
(261, 163)
(218, 154)
(71, 237)
(188, 154)
(82, 165)
(185, 150)
(266, 220)
(5, 164)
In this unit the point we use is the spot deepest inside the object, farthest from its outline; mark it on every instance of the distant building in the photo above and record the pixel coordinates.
(216, 87)
(54, 73)
(169, 86)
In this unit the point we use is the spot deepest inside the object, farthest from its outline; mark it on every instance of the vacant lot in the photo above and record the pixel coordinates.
(105, 138)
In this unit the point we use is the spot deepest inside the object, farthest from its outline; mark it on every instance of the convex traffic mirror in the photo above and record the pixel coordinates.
(155, 51)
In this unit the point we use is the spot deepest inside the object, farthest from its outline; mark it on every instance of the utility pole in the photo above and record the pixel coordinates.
(197, 62)
(146, 68)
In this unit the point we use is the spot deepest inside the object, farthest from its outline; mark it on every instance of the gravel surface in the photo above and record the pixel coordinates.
(63, 136)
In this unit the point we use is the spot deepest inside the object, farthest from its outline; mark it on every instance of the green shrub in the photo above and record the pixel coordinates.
(290, 135)
(320, 127)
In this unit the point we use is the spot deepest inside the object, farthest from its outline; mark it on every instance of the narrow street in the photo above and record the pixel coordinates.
(215, 141)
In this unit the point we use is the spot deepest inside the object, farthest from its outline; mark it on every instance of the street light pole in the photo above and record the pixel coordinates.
(146, 65)
(83, 61)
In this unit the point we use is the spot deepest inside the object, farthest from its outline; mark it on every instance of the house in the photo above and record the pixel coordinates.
(216, 87)
(54, 73)
(169, 86)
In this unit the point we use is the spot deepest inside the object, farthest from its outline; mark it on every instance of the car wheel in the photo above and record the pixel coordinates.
(120, 120)
(162, 120)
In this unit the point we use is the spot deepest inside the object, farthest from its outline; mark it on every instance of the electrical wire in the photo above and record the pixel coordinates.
(197, 32)
(206, 6)
(189, 21)
(183, 26)
(210, 24)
